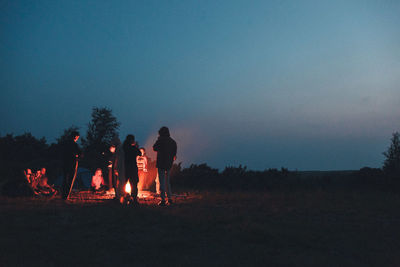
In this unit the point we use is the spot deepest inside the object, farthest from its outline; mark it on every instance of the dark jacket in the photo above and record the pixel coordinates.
(70, 150)
(131, 152)
(166, 148)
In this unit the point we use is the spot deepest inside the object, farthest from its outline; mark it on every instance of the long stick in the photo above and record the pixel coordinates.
(73, 179)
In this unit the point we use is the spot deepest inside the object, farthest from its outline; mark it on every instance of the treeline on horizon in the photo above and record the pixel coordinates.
(18, 153)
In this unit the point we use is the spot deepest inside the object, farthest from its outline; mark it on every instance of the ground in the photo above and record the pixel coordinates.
(308, 228)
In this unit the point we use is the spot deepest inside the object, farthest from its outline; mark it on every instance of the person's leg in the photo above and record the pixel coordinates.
(141, 181)
(158, 184)
(115, 183)
(66, 183)
(161, 177)
(168, 185)
(134, 183)
(110, 178)
(120, 189)
(145, 182)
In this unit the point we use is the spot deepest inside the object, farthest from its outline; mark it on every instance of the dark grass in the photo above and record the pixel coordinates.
(303, 228)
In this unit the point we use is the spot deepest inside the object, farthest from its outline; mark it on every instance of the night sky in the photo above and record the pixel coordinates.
(307, 85)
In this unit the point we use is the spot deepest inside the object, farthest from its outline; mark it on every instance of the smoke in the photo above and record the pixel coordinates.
(191, 141)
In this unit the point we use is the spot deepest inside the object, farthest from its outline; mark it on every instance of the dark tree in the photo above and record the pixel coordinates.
(391, 164)
(19, 152)
(102, 129)
(22, 148)
(56, 149)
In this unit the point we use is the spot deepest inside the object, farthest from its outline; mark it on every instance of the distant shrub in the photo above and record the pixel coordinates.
(391, 165)
(233, 178)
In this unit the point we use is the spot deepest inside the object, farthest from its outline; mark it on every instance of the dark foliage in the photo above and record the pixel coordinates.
(203, 177)
(20, 152)
(102, 129)
(25, 151)
(22, 148)
(391, 165)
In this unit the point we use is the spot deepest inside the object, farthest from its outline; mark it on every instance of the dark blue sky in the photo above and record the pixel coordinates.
(300, 84)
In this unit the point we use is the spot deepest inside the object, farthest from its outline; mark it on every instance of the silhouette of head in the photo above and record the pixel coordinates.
(115, 141)
(98, 172)
(164, 131)
(130, 139)
(143, 151)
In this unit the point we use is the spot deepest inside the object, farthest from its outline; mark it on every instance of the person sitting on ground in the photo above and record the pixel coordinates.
(28, 175)
(33, 180)
(43, 186)
(37, 177)
(97, 180)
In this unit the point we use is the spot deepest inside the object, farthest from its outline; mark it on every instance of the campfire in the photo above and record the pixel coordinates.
(127, 199)
(128, 188)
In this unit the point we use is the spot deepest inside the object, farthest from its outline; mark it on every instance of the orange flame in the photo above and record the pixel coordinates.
(128, 188)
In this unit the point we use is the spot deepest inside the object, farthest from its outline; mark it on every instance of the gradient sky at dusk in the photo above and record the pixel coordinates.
(308, 85)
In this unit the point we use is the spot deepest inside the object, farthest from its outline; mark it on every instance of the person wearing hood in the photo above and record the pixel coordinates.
(166, 149)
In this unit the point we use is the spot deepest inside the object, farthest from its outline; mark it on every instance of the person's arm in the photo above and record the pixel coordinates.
(138, 153)
(145, 164)
(156, 145)
(175, 150)
(116, 164)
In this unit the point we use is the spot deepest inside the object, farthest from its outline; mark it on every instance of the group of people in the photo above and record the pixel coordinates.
(98, 182)
(125, 162)
(38, 182)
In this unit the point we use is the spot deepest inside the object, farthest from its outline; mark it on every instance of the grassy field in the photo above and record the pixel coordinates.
(315, 228)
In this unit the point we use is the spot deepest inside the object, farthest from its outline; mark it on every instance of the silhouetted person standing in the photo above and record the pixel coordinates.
(112, 163)
(166, 149)
(131, 170)
(71, 153)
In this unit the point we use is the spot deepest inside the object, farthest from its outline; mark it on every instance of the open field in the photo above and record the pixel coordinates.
(315, 228)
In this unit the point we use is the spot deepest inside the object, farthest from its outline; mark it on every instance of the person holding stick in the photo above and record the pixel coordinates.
(71, 154)
(166, 149)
